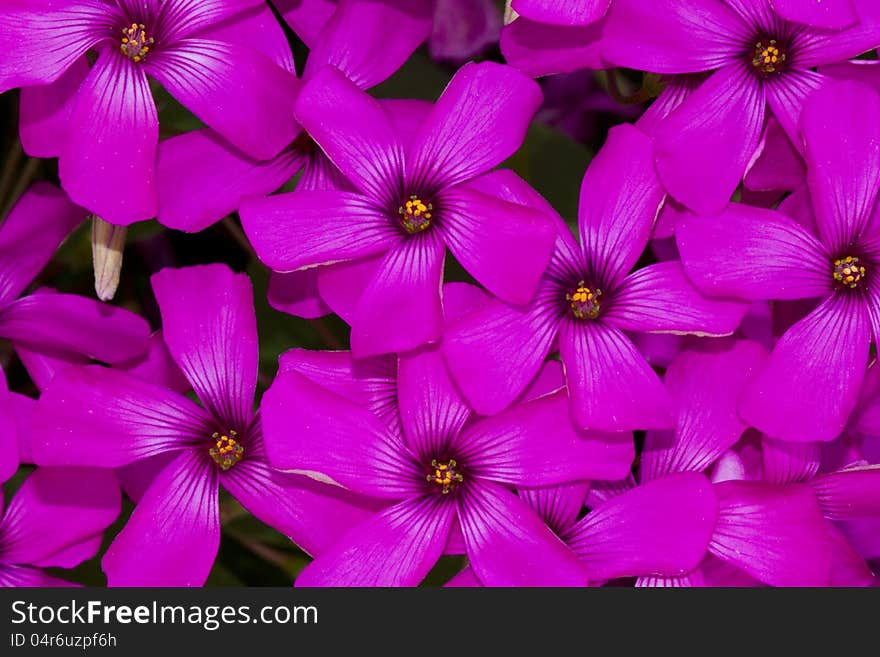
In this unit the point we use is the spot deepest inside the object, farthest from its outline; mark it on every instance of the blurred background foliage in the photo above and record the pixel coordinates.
(553, 160)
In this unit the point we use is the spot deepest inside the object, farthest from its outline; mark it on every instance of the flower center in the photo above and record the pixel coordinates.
(848, 271)
(415, 215)
(445, 475)
(769, 57)
(584, 301)
(135, 42)
(227, 451)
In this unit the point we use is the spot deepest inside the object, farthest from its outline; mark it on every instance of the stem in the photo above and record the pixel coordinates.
(10, 165)
(238, 235)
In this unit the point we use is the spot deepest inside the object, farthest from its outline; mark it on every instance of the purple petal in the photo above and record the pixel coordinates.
(786, 96)
(108, 163)
(311, 430)
(258, 29)
(538, 49)
(478, 122)
(559, 506)
(354, 130)
(786, 462)
(774, 533)
(495, 352)
(752, 253)
(660, 298)
(312, 515)
(157, 366)
(201, 178)
(461, 299)
(704, 147)
(509, 545)
(848, 568)
(24, 576)
(209, 325)
(73, 323)
(185, 17)
(56, 508)
(612, 387)
(672, 36)
(704, 383)
(237, 91)
(431, 410)
(171, 538)
(9, 450)
(620, 198)
(342, 284)
(368, 382)
(296, 293)
(464, 579)
(849, 494)
(37, 224)
(137, 476)
(535, 444)
(803, 398)
(401, 308)
(818, 47)
(369, 41)
(834, 14)
(662, 527)
(504, 246)
(573, 12)
(26, 28)
(396, 547)
(843, 159)
(777, 164)
(290, 231)
(99, 416)
(306, 17)
(44, 111)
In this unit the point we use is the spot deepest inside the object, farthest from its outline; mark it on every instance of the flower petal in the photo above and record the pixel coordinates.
(843, 159)
(833, 15)
(672, 36)
(396, 547)
(181, 18)
(44, 111)
(786, 96)
(209, 325)
(774, 533)
(306, 17)
(611, 386)
(478, 122)
(37, 224)
(290, 231)
(56, 508)
(538, 49)
(401, 308)
(620, 198)
(310, 430)
(574, 12)
(535, 444)
(704, 147)
(803, 398)
(431, 409)
(559, 506)
(172, 536)
(108, 163)
(313, 515)
(659, 297)
(704, 383)
(661, 527)
(504, 246)
(69, 322)
(296, 293)
(752, 253)
(848, 494)
(494, 352)
(355, 132)
(509, 545)
(103, 417)
(237, 91)
(369, 41)
(786, 462)
(201, 178)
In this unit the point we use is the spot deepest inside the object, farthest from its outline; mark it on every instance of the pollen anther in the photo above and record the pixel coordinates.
(769, 57)
(848, 271)
(227, 451)
(135, 42)
(445, 475)
(584, 301)
(415, 215)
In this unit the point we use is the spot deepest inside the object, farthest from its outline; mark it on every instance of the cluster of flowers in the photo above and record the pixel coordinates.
(712, 417)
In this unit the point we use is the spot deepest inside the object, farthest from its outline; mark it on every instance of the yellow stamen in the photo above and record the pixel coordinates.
(227, 451)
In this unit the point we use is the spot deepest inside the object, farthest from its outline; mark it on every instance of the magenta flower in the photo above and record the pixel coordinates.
(756, 57)
(797, 396)
(110, 418)
(56, 519)
(110, 126)
(410, 203)
(439, 471)
(585, 302)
